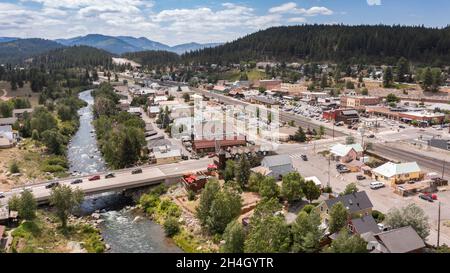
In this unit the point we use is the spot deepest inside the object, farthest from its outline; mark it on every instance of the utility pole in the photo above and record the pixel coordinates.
(329, 174)
(439, 224)
(443, 169)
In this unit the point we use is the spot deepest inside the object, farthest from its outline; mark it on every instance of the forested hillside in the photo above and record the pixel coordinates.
(76, 56)
(335, 43)
(18, 50)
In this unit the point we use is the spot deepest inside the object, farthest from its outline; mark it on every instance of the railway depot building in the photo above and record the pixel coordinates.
(422, 118)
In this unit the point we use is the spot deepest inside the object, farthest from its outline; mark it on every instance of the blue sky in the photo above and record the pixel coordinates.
(179, 21)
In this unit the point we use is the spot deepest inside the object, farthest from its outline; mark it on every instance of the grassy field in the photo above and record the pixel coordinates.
(33, 164)
(235, 75)
(24, 92)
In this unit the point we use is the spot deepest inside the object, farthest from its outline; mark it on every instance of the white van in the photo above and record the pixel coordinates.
(376, 185)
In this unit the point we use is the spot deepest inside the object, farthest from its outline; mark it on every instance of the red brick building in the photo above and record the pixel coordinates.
(208, 146)
(348, 116)
(358, 101)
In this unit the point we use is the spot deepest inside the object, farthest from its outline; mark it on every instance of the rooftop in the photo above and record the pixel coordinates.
(391, 169)
(365, 224)
(353, 202)
(277, 160)
(400, 240)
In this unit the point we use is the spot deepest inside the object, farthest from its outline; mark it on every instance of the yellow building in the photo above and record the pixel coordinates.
(393, 174)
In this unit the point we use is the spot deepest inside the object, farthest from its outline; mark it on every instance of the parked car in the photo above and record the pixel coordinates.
(185, 157)
(343, 170)
(401, 127)
(377, 185)
(426, 197)
(2, 195)
(195, 157)
(52, 185)
(305, 158)
(136, 171)
(110, 175)
(76, 181)
(95, 177)
(371, 136)
(360, 177)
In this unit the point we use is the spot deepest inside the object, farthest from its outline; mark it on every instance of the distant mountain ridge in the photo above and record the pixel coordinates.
(124, 44)
(17, 50)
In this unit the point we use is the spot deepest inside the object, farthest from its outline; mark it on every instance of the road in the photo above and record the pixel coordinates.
(123, 180)
(391, 152)
(433, 164)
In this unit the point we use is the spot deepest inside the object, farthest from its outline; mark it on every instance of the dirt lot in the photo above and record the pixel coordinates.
(24, 92)
(28, 158)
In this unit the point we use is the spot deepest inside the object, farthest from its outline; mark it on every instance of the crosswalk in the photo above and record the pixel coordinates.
(295, 156)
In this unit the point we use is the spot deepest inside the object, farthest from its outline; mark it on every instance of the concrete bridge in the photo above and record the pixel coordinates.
(123, 180)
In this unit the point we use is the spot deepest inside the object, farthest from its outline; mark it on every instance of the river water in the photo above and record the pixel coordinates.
(121, 229)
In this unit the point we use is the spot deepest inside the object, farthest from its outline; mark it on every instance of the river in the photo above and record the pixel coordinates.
(119, 229)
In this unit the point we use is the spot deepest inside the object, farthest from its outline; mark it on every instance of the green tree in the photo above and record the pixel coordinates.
(268, 188)
(65, 200)
(27, 206)
(207, 197)
(388, 78)
(253, 181)
(365, 91)
(268, 235)
(321, 132)
(306, 232)
(411, 215)
(291, 187)
(350, 140)
(402, 69)
(427, 81)
(234, 237)
(43, 120)
(54, 141)
(338, 218)
(300, 135)
(224, 208)
(346, 243)
(242, 171)
(6, 109)
(392, 98)
(311, 191)
(171, 226)
(350, 189)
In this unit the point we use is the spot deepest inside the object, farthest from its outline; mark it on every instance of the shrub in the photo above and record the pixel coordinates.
(191, 195)
(53, 168)
(171, 226)
(14, 168)
(149, 201)
(308, 208)
(378, 216)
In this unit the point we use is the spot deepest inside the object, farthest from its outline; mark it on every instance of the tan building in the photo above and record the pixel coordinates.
(358, 101)
(293, 88)
(163, 156)
(394, 174)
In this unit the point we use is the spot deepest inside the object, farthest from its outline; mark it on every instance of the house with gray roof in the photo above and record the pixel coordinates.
(363, 225)
(357, 204)
(277, 165)
(400, 240)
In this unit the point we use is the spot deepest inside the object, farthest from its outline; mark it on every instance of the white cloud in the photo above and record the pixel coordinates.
(292, 8)
(374, 2)
(67, 18)
(297, 20)
(284, 8)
